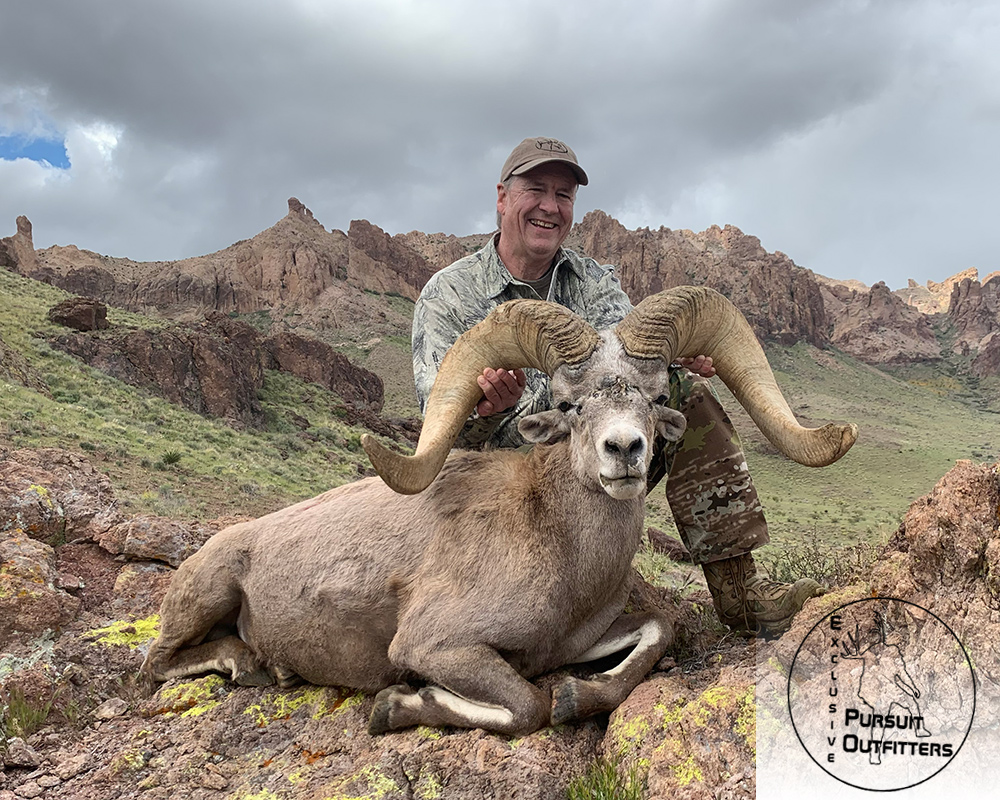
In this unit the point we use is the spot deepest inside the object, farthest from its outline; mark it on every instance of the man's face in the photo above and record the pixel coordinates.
(536, 213)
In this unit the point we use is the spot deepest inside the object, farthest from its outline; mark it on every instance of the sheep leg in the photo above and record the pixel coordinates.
(482, 691)
(202, 602)
(229, 656)
(647, 634)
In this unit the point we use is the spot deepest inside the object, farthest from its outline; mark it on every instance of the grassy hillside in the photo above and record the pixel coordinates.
(160, 457)
(911, 433)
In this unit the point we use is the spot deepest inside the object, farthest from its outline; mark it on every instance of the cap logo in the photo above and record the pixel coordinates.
(552, 145)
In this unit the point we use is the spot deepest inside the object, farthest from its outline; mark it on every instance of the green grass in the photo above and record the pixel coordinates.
(162, 458)
(19, 717)
(910, 435)
(604, 780)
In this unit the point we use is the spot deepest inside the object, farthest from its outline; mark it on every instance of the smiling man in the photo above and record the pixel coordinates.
(709, 489)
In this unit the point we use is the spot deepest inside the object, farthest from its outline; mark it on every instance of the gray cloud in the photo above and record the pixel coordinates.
(856, 137)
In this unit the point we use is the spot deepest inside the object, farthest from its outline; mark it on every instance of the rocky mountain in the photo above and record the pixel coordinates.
(877, 327)
(330, 280)
(935, 298)
(974, 312)
(781, 301)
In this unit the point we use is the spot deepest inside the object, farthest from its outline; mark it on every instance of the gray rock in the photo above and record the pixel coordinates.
(110, 709)
(21, 754)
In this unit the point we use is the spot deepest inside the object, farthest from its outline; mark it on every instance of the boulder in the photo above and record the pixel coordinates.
(974, 312)
(80, 313)
(30, 603)
(149, 538)
(54, 495)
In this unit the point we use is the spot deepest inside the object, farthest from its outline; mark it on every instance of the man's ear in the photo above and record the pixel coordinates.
(670, 424)
(546, 427)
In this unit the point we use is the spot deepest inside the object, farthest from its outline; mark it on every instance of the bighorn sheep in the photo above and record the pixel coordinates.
(476, 573)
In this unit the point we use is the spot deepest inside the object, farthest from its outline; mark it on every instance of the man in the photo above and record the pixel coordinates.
(710, 491)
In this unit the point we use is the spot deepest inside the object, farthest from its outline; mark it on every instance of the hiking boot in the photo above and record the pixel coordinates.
(748, 601)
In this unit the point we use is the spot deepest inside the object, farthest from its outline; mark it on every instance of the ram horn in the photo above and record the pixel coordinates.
(516, 334)
(692, 320)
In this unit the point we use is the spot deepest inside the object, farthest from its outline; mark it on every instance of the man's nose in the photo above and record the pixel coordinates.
(550, 203)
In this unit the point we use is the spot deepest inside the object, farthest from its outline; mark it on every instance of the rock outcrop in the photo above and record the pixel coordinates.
(974, 312)
(986, 364)
(17, 252)
(384, 264)
(781, 301)
(877, 327)
(217, 367)
(317, 362)
(80, 314)
(934, 298)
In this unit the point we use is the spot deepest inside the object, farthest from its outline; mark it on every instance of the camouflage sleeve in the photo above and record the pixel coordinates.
(436, 326)
(437, 323)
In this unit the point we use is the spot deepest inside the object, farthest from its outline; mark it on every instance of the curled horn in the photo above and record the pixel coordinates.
(693, 320)
(516, 334)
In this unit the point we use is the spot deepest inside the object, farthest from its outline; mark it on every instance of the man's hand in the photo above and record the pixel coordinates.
(501, 390)
(699, 365)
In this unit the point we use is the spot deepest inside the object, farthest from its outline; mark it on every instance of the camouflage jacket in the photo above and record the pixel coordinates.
(461, 295)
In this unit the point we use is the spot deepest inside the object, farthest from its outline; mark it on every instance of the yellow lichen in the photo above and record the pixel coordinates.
(263, 794)
(746, 719)
(281, 705)
(192, 698)
(124, 632)
(43, 494)
(429, 786)
(629, 734)
(687, 772)
(131, 761)
(379, 785)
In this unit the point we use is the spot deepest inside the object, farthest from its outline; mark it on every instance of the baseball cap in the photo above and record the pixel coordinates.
(540, 150)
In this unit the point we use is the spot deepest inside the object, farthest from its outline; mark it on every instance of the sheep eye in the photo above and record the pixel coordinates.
(565, 407)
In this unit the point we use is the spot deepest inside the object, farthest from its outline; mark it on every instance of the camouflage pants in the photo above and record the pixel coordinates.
(709, 488)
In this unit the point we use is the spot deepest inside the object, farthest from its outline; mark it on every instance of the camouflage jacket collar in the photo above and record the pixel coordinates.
(498, 277)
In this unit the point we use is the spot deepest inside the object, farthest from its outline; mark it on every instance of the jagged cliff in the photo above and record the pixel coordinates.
(328, 277)
(781, 301)
(878, 327)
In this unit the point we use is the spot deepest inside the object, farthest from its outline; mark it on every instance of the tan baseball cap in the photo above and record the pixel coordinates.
(540, 150)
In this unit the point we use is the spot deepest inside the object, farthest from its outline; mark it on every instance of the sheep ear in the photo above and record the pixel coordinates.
(670, 424)
(546, 427)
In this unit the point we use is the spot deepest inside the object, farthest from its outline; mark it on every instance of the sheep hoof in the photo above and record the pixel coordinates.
(378, 722)
(254, 677)
(565, 702)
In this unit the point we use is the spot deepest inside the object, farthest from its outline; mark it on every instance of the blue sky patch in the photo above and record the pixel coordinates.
(52, 151)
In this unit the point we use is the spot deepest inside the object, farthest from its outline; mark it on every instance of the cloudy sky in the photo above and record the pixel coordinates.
(860, 138)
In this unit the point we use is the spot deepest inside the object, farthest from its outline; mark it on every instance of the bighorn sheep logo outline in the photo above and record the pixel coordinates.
(881, 694)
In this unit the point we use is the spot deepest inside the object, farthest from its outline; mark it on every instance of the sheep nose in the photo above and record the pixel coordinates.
(625, 444)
